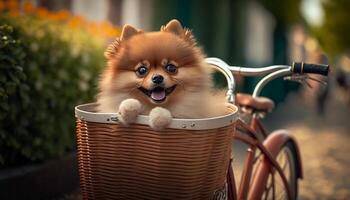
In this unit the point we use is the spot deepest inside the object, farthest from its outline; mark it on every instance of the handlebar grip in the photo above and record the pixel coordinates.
(301, 67)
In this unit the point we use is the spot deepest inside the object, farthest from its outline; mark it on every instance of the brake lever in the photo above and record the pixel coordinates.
(317, 80)
(302, 79)
(299, 78)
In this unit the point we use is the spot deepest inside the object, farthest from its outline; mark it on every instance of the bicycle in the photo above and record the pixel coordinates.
(192, 158)
(279, 152)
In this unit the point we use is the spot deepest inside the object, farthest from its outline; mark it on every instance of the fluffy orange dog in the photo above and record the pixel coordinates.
(160, 74)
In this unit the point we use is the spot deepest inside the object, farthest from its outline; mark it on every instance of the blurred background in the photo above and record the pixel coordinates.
(51, 52)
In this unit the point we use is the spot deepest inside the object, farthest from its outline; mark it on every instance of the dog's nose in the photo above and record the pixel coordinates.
(157, 79)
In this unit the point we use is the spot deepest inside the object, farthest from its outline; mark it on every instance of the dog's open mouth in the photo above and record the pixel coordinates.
(158, 94)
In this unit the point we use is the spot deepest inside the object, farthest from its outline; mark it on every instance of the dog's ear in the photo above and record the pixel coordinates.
(175, 27)
(127, 32)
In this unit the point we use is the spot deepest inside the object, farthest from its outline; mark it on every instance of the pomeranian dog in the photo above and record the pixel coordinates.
(161, 74)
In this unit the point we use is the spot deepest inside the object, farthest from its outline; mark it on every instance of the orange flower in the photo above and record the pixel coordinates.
(116, 32)
(108, 30)
(76, 21)
(28, 7)
(59, 15)
(52, 16)
(63, 15)
(2, 6)
(42, 12)
(103, 29)
(12, 5)
(92, 27)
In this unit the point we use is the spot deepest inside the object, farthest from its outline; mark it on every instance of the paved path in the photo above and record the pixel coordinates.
(324, 144)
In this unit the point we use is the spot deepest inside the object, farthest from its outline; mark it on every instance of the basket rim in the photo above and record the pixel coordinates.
(84, 112)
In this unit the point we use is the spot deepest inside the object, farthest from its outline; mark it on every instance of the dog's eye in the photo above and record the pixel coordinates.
(141, 71)
(171, 68)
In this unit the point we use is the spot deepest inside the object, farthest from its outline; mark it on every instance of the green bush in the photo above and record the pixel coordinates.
(46, 68)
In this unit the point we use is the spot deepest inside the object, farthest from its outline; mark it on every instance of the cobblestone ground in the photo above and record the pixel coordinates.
(324, 144)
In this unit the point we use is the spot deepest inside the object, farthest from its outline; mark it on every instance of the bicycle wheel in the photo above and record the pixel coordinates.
(275, 189)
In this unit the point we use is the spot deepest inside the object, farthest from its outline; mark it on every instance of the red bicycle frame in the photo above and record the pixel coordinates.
(252, 187)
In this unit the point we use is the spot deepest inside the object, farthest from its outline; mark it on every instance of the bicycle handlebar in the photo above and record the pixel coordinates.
(301, 67)
(269, 73)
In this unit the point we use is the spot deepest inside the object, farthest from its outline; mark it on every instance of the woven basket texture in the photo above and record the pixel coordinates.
(136, 162)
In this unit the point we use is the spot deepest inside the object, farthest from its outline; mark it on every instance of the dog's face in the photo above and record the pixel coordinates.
(155, 67)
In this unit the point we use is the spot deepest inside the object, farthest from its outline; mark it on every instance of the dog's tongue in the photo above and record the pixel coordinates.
(158, 94)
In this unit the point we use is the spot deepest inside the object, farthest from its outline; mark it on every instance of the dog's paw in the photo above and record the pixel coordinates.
(159, 118)
(129, 109)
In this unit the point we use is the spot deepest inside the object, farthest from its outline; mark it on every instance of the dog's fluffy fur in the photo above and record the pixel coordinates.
(125, 91)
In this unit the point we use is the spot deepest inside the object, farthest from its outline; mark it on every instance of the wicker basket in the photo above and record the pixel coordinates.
(188, 160)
